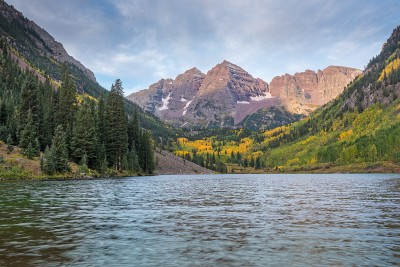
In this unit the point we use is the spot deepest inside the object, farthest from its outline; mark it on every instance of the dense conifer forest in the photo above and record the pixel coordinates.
(60, 125)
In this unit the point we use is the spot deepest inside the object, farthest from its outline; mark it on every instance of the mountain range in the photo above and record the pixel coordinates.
(358, 131)
(227, 95)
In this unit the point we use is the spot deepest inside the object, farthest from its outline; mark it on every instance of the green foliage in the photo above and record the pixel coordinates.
(29, 140)
(47, 162)
(372, 153)
(84, 135)
(83, 167)
(29, 103)
(15, 172)
(132, 161)
(115, 121)
(349, 154)
(134, 131)
(67, 105)
(59, 150)
(145, 153)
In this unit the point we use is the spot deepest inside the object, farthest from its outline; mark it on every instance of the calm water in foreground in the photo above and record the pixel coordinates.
(217, 220)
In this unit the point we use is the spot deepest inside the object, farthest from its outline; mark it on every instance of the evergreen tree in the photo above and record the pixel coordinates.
(115, 122)
(84, 136)
(257, 163)
(67, 105)
(124, 162)
(372, 153)
(100, 120)
(47, 162)
(133, 162)
(238, 157)
(59, 150)
(83, 167)
(103, 165)
(29, 103)
(245, 162)
(134, 131)
(33, 149)
(146, 156)
(29, 141)
(101, 158)
(49, 105)
(252, 163)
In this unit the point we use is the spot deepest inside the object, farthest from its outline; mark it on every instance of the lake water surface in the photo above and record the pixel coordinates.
(207, 220)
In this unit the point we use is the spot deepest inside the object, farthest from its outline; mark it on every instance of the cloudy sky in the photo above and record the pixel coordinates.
(142, 41)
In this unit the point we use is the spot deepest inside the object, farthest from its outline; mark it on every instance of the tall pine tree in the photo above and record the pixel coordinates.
(134, 131)
(115, 122)
(67, 105)
(29, 102)
(84, 135)
(59, 152)
(145, 153)
(29, 139)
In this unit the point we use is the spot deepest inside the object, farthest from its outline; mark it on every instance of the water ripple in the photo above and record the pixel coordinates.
(218, 220)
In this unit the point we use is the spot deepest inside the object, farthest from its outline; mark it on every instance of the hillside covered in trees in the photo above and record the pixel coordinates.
(59, 126)
(359, 131)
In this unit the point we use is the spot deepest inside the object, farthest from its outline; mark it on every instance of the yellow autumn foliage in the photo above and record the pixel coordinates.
(308, 140)
(393, 65)
(292, 162)
(182, 141)
(346, 134)
(179, 152)
(257, 154)
(81, 97)
(270, 133)
(313, 160)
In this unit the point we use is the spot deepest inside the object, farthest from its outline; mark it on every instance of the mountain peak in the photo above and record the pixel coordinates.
(230, 65)
(228, 93)
(193, 71)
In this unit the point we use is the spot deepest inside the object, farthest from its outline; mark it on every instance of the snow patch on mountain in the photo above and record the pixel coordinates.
(261, 97)
(165, 102)
(186, 106)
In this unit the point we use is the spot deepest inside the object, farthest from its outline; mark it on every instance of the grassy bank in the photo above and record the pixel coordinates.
(15, 166)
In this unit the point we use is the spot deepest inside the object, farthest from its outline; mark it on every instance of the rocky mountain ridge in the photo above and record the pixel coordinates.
(227, 94)
(39, 49)
(303, 92)
(45, 43)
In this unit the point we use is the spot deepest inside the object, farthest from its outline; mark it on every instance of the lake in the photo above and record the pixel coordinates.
(203, 220)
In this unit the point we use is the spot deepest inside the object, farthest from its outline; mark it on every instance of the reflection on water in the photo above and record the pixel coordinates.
(218, 220)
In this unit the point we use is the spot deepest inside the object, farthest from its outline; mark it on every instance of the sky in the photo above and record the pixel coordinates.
(142, 41)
